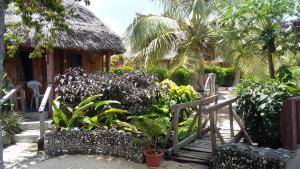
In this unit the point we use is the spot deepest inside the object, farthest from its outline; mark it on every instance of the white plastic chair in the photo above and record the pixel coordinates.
(35, 87)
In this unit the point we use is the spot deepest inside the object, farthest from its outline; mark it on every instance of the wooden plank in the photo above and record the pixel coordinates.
(184, 142)
(191, 160)
(195, 103)
(198, 149)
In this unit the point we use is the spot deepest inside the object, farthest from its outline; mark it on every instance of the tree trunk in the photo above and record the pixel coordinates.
(271, 65)
(2, 54)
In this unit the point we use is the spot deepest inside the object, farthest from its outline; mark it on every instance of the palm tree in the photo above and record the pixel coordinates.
(186, 27)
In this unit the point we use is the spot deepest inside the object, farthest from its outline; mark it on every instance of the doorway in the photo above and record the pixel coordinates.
(26, 68)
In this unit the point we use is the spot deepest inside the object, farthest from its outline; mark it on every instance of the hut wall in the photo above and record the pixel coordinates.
(92, 62)
(11, 66)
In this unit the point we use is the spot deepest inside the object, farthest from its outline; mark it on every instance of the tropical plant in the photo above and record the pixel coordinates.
(154, 129)
(78, 116)
(186, 28)
(259, 105)
(135, 90)
(256, 31)
(171, 94)
(11, 122)
(181, 76)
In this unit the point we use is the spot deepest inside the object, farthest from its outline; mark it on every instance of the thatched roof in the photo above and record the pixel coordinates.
(87, 32)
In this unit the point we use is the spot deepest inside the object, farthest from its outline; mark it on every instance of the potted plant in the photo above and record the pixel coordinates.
(152, 129)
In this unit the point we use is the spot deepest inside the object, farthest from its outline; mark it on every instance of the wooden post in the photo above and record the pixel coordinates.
(23, 99)
(176, 121)
(231, 120)
(199, 113)
(108, 61)
(212, 131)
(50, 76)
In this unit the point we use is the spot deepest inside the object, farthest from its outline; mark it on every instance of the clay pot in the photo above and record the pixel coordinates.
(153, 157)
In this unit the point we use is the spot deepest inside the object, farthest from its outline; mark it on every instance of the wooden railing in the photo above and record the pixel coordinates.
(215, 133)
(12, 95)
(197, 106)
(204, 107)
(41, 111)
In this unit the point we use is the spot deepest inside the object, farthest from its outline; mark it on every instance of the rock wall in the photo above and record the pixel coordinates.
(241, 156)
(100, 141)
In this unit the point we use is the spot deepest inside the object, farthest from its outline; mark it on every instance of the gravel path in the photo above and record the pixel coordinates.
(104, 162)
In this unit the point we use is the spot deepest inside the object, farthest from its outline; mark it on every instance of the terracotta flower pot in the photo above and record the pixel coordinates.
(153, 157)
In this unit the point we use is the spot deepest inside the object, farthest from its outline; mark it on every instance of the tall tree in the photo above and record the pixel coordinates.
(256, 31)
(185, 28)
(36, 15)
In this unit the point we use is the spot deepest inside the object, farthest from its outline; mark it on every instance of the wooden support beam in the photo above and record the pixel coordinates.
(212, 130)
(108, 62)
(243, 129)
(50, 76)
(175, 123)
(236, 138)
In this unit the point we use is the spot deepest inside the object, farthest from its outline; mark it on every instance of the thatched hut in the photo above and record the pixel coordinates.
(90, 44)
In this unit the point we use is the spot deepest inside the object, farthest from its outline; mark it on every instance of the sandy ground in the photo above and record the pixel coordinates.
(105, 162)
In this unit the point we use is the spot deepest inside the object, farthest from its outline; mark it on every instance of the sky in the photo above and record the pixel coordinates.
(118, 14)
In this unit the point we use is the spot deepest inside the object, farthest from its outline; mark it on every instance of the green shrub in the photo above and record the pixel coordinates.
(296, 73)
(122, 69)
(181, 76)
(225, 76)
(11, 122)
(159, 72)
(171, 94)
(259, 105)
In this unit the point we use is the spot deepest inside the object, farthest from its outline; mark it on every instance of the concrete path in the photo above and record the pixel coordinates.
(23, 155)
(105, 162)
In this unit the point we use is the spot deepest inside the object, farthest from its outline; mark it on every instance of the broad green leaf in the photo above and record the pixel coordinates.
(113, 111)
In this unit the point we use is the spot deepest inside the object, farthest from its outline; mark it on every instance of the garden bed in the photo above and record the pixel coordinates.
(241, 156)
(99, 141)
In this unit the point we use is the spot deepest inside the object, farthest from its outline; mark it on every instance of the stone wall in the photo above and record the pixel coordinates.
(241, 156)
(100, 141)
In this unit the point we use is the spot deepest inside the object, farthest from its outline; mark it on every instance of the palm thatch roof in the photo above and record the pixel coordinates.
(87, 32)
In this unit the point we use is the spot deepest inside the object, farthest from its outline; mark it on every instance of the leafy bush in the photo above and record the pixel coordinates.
(135, 90)
(181, 76)
(260, 104)
(225, 76)
(171, 94)
(122, 69)
(71, 117)
(11, 122)
(159, 72)
(284, 74)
